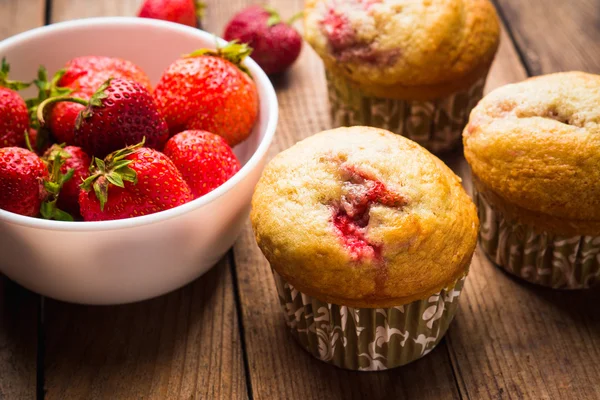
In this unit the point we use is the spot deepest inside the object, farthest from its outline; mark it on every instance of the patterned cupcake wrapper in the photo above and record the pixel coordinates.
(368, 339)
(544, 258)
(436, 125)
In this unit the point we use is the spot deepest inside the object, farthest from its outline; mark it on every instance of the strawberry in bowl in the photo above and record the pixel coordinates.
(142, 225)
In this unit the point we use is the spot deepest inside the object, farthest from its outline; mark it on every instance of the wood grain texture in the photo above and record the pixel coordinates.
(64, 10)
(179, 346)
(555, 35)
(18, 307)
(513, 340)
(18, 341)
(19, 16)
(279, 368)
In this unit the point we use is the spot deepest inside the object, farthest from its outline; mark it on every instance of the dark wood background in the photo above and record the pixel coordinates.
(222, 336)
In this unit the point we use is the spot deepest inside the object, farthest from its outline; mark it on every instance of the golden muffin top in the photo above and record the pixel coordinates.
(401, 42)
(536, 144)
(365, 218)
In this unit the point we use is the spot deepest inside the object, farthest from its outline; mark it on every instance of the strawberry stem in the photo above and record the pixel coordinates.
(28, 142)
(274, 17)
(113, 170)
(95, 101)
(295, 17)
(52, 100)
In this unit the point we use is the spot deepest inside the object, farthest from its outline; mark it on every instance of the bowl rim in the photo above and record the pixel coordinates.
(259, 76)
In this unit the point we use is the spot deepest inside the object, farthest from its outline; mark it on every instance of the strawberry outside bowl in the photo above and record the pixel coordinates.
(128, 260)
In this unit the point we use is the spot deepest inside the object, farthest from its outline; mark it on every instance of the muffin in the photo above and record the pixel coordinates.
(534, 149)
(370, 238)
(415, 68)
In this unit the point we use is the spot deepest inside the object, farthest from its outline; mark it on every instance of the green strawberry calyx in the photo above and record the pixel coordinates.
(274, 17)
(55, 158)
(114, 169)
(5, 82)
(233, 52)
(94, 101)
(46, 89)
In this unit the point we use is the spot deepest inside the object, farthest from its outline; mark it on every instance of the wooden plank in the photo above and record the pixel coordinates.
(64, 10)
(279, 368)
(18, 307)
(19, 16)
(555, 35)
(18, 341)
(512, 339)
(182, 345)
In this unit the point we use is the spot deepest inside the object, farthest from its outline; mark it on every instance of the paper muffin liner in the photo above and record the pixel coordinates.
(544, 258)
(436, 125)
(368, 339)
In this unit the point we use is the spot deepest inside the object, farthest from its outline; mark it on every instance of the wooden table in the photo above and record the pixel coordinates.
(222, 336)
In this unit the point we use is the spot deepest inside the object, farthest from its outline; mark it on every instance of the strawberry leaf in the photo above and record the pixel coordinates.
(54, 160)
(121, 163)
(67, 177)
(60, 215)
(115, 179)
(95, 101)
(129, 175)
(52, 187)
(5, 82)
(46, 90)
(48, 210)
(101, 191)
(100, 164)
(233, 52)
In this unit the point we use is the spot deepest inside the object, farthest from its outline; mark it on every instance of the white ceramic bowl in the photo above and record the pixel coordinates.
(128, 260)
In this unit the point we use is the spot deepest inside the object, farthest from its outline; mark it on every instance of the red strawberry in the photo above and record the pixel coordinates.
(204, 159)
(120, 113)
(89, 72)
(14, 118)
(186, 12)
(21, 175)
(209, 90)
(275, 43)
(82, 76)
(62, 116)
(122, 204)
(131, 182)
(69, 167)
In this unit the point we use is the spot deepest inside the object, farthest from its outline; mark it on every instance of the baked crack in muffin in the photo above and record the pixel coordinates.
(534, 148)
(368, 234)
(415, 68)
